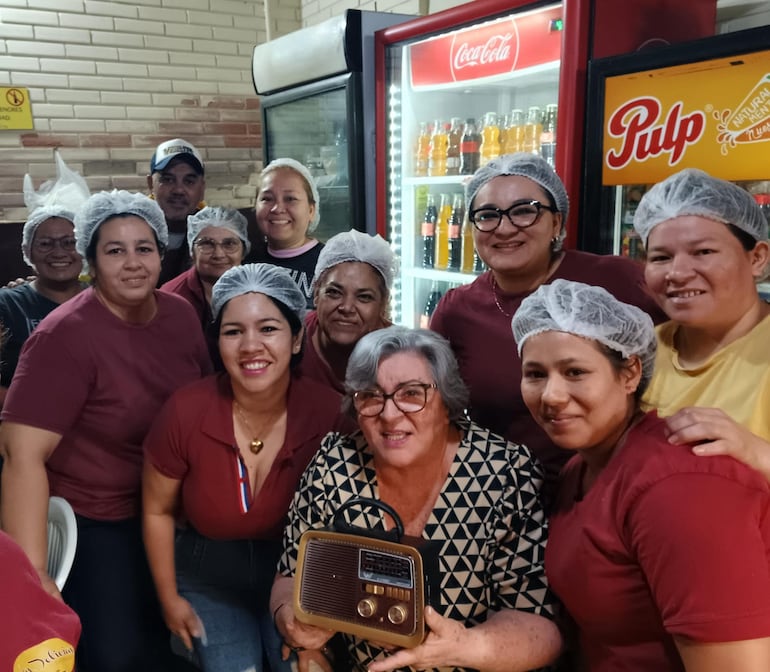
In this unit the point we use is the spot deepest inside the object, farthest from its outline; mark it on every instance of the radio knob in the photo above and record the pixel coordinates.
(367, 607)
(397, 614)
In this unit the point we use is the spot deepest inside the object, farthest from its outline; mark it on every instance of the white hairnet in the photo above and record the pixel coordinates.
(273, 281)
(222, 218)
(297, 167)
(590, 312)
(357, 246)
(696, 193)
(107, 204)
(524, 164)
(35, 219)
(61, 197)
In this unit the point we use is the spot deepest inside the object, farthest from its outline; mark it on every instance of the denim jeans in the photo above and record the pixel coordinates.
(228, 584)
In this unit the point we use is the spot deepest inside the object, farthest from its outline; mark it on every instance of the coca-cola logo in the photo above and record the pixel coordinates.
(644, 136)
(496, 49)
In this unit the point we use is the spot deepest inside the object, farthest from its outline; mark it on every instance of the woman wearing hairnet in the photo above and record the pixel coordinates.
(707, 247)
(228, 452)
(659, 557)
(89, 383)
(48, 246)
(287, 212)
(518, 207)
(218, 239)
(351, 289)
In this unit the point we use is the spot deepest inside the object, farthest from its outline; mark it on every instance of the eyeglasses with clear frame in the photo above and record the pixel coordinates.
(44, 245)
(228, 245)
(522, 214)
(409, 397)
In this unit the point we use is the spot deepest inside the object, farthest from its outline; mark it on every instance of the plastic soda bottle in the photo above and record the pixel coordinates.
(532, 130)
(490, 138)
(428, 233)
(422, 150)
(514, 138)
(439, 144)
(548, 135)
(468, 248)
(453, 147)
(469, 148)
(442, 232)
(455, 233)
(430, 305)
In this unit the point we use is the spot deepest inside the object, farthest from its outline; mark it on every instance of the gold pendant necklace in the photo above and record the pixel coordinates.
(494, 296)
(256, 444)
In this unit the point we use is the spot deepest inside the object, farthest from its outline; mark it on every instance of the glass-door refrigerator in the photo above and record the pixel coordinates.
(702, 104)
(316, 92)
(458, 88)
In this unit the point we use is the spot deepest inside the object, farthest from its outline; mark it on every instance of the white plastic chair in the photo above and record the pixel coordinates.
(62, 539)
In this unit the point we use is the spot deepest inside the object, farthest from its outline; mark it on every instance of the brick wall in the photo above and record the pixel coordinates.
(108, 81)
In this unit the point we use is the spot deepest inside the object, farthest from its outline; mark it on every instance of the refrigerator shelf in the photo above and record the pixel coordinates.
(453, 277)
(430, 181)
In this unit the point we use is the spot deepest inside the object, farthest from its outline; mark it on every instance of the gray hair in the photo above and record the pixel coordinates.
(377, 345)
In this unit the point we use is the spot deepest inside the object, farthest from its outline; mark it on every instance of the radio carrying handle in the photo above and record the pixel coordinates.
(339, 525)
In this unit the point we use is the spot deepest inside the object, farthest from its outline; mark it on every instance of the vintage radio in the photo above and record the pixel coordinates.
(362, 583)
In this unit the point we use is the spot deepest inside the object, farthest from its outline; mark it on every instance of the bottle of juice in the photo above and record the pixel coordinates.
(514, 138)
(453, 147)
(490, 138)
(468, 248)
(439, 143)
(532, 130)
(422, 151)
(442, 232)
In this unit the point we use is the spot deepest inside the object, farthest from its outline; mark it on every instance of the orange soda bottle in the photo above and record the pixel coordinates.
(468, 248)
(442, 232)
(532, 130)
(490, 138)
(439, 144)
(422, 151)
(514, 138)
(453, 146)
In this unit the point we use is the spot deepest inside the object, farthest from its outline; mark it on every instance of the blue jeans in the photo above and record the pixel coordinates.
(228, 584)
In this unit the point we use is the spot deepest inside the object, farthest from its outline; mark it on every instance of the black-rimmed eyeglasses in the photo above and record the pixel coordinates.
(521, 214)
(408, 398)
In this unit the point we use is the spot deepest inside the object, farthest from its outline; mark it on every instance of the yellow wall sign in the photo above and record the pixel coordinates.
(15, 109)
(713, 115)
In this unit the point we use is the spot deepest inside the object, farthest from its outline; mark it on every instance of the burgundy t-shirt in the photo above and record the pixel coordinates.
(311, 365)
(663, 544)
(99, 382)
(482, 340)
(193, 440)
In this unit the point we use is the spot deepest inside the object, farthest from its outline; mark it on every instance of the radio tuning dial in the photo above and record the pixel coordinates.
(397, 614)
(367, 607)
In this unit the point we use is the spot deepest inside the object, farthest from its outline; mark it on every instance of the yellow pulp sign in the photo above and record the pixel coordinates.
(15, 109)
(713, 115)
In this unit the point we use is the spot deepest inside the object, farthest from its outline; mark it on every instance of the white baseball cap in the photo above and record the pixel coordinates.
(175, 149)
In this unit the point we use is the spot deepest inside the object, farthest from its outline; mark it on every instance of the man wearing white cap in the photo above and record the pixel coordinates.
(176, 181)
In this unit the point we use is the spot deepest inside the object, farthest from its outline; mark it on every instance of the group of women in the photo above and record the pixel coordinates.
(222, 461)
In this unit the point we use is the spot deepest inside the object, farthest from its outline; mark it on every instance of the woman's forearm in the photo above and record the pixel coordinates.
(24, 511)
(159, 530)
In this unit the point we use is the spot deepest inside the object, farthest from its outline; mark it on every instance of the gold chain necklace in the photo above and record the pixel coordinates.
(256, 444)
(494, 296)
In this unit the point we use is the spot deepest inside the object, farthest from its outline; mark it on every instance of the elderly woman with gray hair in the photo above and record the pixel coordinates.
(218, 239)
(518, 207)
(707, 247)
(228, 452)
(351, 290)
(451, 482)
(661, 558)
(89, 383)
(287, 212)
